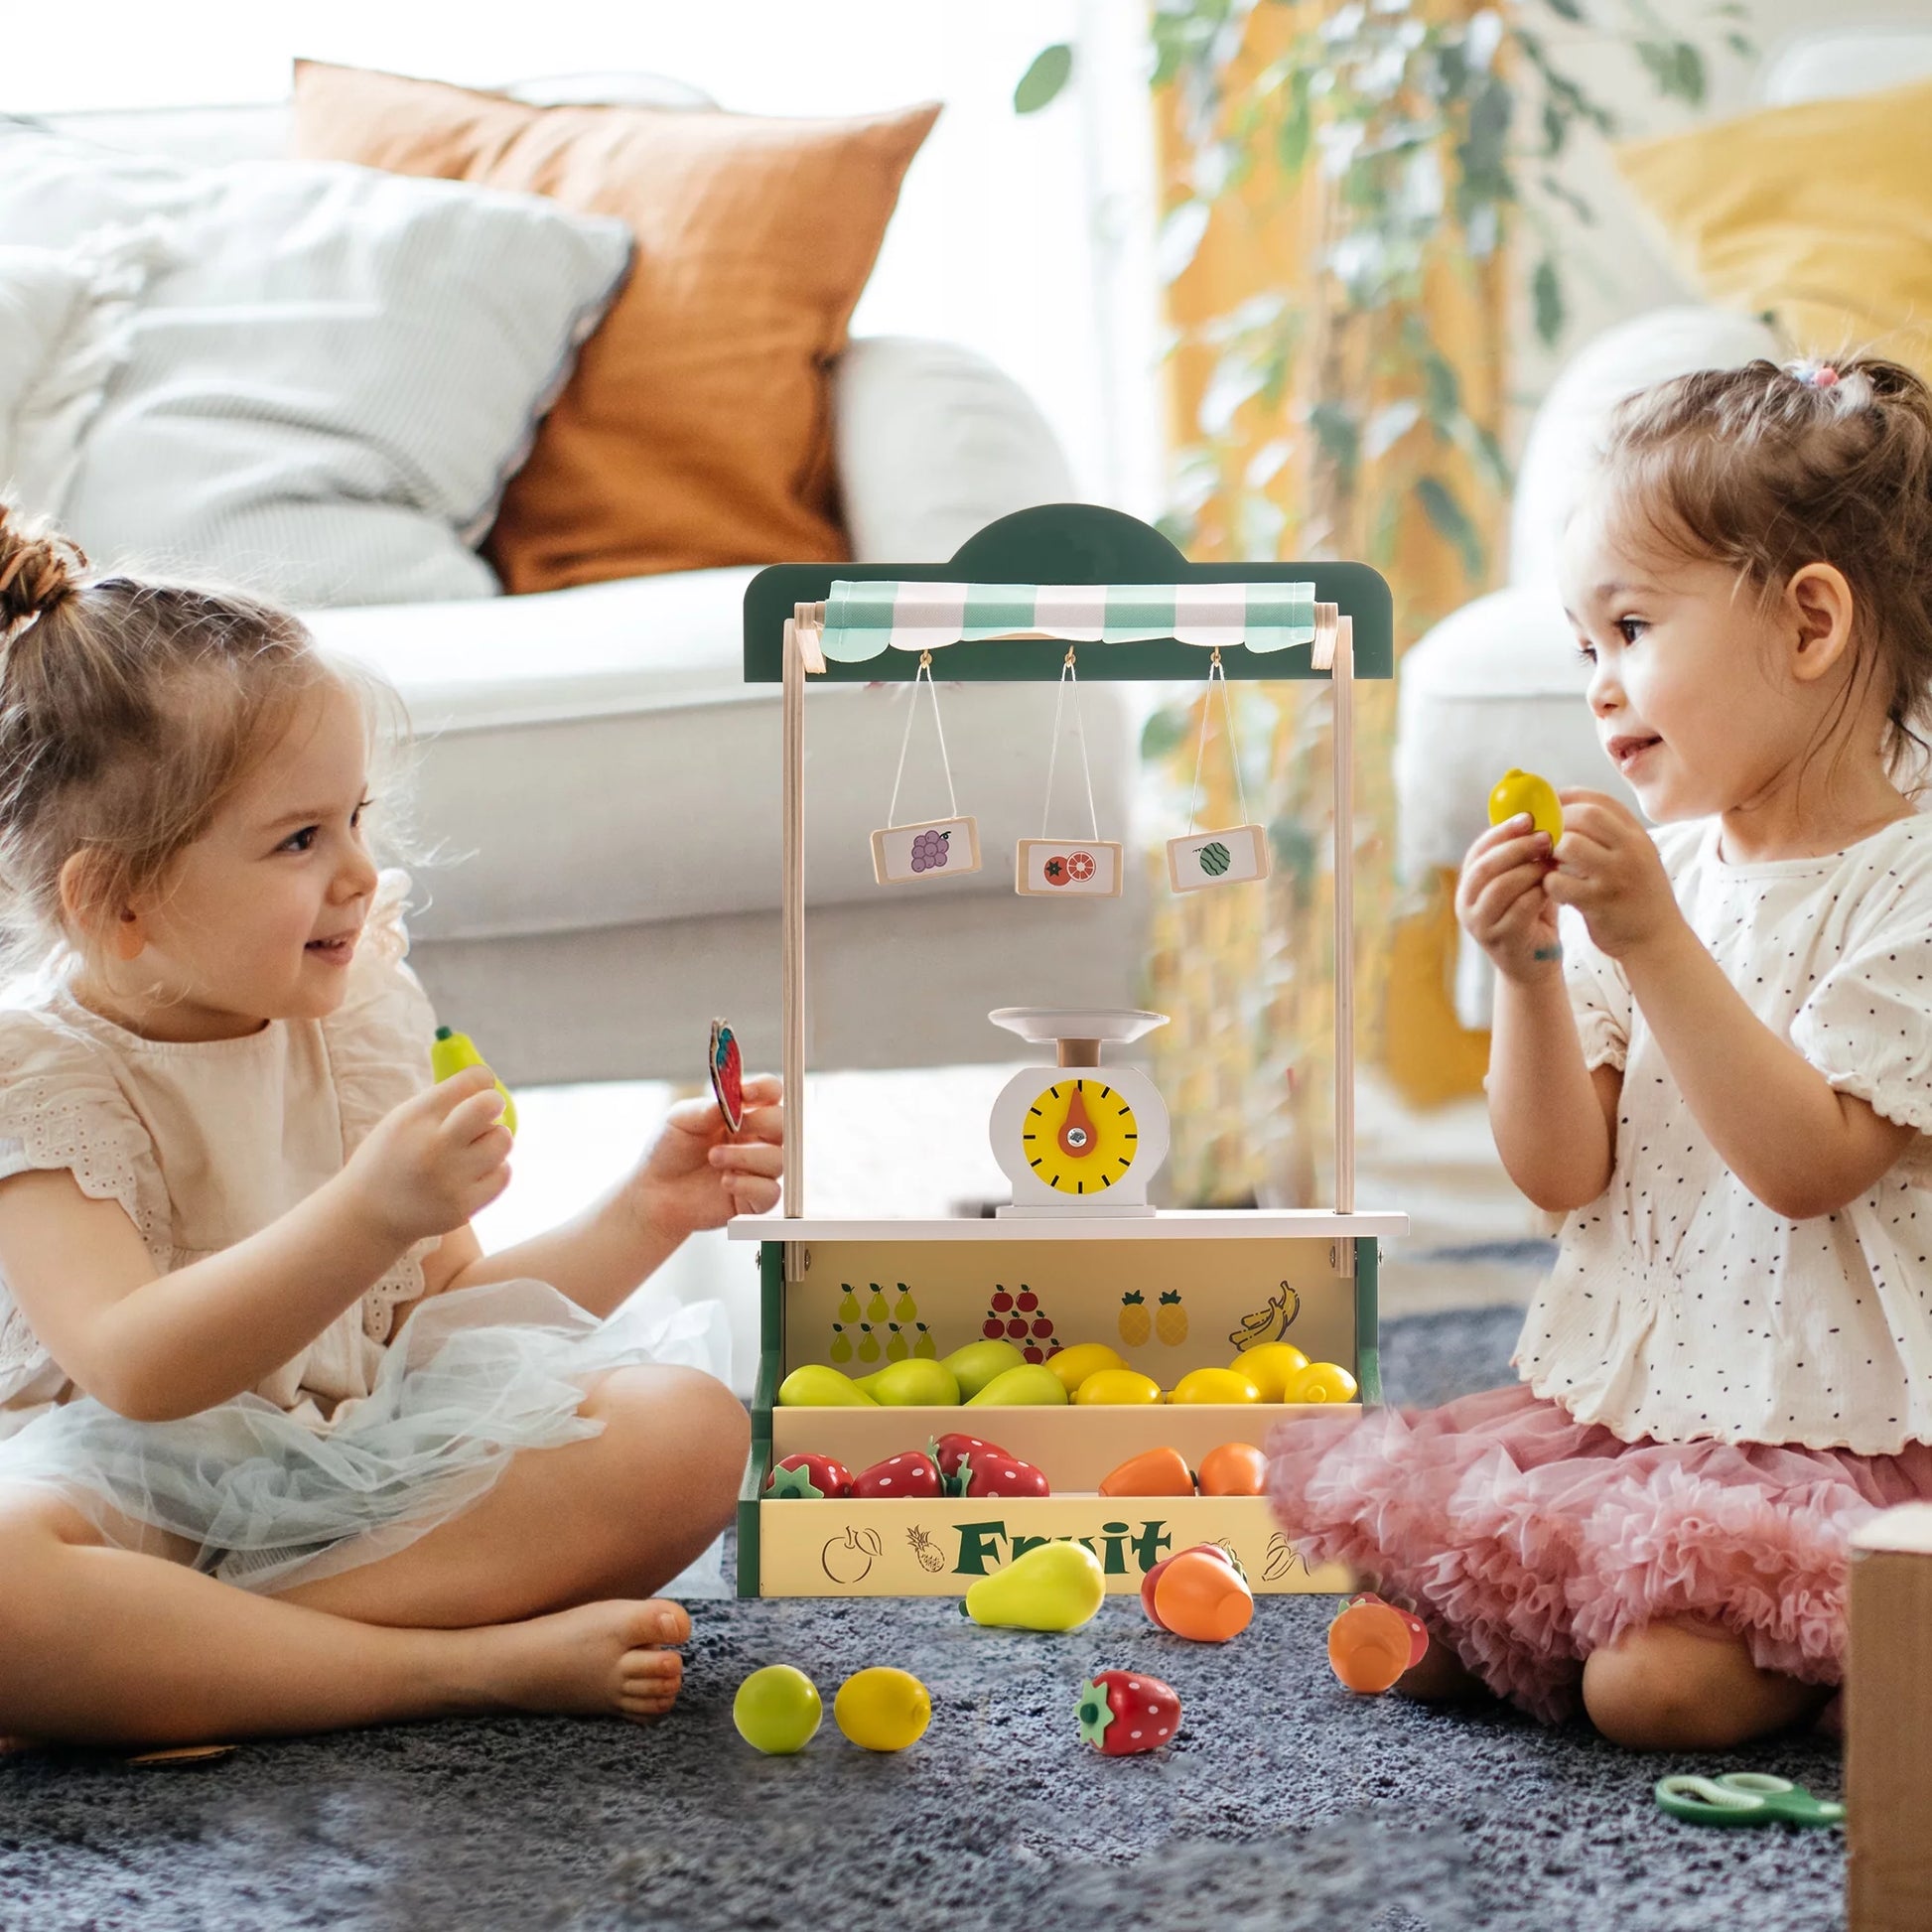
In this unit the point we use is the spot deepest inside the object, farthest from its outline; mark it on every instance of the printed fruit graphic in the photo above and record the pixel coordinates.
(848, 1559)
(1074, 1365)
(812, 1477)
(1029, 1385)
(1523, 791)
(930, 851)
(1213, 1385)
(913, 1473)
(1123, 1712)
(1136, 1325)
(848, 1304)
(1321, 1382)
(1154, 1472)
(451, 1052)
(1269, 1365)
(1054, 870)
(876, 1308)
(925, 1550)
(1281, 1559)
(991, 1472)
(1119, 1384)
(1171, 1324)
(949, 1451)
(906, 1309)
(975, 1365)
(776, 1710)
(1234, 1469)
(922, 1345)
(814, 1386)
(868, 1350)
(1267, 1323)
(911, 1384)
(1053, 1587)
(1372, 1643)
(1022, 1320)
(1202, 1595)
(1151, 1580)
(897, 1348)
(841, 1348)
(1080, 864)
(882, 1710)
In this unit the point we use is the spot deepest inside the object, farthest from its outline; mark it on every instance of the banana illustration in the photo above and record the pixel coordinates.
(1269, 1324)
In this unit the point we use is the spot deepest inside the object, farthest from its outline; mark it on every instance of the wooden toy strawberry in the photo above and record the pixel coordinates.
(990, 1471)
(816, 1476)
(913, 1474)
(1123, 1712)
(949, 1451)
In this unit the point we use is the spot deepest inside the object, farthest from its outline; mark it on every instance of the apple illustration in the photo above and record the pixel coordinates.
(848, 1559)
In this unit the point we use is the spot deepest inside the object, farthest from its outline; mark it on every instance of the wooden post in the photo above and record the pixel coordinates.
(1888, 1721)
(792, 918)
(1345, 689)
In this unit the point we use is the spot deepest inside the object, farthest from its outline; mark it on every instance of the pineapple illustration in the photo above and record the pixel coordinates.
(896, 1350)
(848, 1304)
(1171, 1324)
(1134, 1325)
(925, 1550)
(841, 1349)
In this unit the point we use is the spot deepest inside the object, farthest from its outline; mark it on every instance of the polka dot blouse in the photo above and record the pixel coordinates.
(1681, 1305)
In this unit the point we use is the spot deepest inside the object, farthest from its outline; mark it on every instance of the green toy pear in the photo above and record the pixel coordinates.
(1030, 1384)
(975, 1365)
(814, 1386)
(915, 1383)
(1053, 1587)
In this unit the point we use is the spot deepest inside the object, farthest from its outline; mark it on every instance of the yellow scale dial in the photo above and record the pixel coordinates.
(1080, 1136)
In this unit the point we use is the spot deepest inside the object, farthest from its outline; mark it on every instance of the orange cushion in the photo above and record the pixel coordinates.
(695, 428)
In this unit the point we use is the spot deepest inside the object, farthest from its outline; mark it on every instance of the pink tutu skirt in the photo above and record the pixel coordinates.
(1526, 1539)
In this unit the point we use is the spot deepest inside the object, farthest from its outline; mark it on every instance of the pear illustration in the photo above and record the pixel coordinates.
(923, 1345)
(906, 1309)
(1053, 1587)
(868, 1350)
(841, 1349)
(848, 1304)
(876, 1308)
(897, 1349)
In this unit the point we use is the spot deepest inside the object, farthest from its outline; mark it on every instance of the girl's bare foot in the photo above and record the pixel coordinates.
(1831, 1719)
(594, 1661)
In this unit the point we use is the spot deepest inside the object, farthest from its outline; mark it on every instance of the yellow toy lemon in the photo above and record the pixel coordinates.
(1523, 791)
(1321, 1382)
(1118, 1385)
(882, 1710)
(1074, 1365)
(451, 1052)
(1269, 1365)
(1214, 1385)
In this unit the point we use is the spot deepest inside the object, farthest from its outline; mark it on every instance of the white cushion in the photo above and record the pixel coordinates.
(1569, 428)
(928, 436)
(591, 757)
(1853, 61)
(336, 373)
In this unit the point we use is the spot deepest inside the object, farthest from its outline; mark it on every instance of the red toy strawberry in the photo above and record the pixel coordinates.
(816, 1476)
(990, 1472)
(1123, 1712)
(949, 1451)
(914, 1473)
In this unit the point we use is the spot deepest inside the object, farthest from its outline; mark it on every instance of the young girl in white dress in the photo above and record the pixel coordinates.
(1712, 1054)
(281, 1448)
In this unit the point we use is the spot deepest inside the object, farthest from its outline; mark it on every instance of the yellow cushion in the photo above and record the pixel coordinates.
(696, 429)
(1814, 214)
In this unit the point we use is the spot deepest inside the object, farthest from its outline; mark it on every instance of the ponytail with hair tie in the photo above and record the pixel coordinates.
(38, 570)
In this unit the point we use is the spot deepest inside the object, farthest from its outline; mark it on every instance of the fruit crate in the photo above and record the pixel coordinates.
(1228, 1278)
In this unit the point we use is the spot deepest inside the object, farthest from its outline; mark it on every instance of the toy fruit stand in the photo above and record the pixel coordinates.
(1080, 1256)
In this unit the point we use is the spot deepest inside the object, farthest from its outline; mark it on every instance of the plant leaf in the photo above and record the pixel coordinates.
(1443, 510)
(1545, 291)
(1052, 69)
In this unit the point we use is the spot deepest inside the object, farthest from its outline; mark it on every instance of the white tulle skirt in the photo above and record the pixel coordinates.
(269, 1501)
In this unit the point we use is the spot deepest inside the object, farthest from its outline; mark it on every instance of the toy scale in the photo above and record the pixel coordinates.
(912, 1434)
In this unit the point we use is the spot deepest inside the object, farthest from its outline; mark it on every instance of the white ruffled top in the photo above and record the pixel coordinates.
(1681, 1306)
(205, 1143)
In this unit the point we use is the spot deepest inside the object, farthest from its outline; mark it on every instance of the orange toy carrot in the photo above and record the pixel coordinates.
(1154, 1472)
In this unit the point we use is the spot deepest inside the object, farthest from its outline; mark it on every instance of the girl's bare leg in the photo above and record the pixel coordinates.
(1686, 1684)
(111, 1646)
(1442, 1678)
(616, 1515)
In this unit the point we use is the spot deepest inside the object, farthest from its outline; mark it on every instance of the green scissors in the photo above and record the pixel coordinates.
(1746, 1798)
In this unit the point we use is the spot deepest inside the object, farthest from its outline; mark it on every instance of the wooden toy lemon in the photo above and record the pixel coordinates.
(1119, 1384)
(1269, 1365)
(776, 1710)
(1523, 791)
(1074, 1365)
(882, 1710)
(1321, 1382)
(1214, 1385)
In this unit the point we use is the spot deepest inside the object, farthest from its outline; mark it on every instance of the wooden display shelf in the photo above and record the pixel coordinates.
(1170, 1224)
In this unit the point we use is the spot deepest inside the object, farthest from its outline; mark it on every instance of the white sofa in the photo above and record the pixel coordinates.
(598, 791)
(1499, 682)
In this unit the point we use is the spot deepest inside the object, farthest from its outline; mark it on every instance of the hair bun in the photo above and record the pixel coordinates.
(37, 568)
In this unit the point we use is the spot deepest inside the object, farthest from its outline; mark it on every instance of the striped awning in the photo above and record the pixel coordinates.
(864, 620)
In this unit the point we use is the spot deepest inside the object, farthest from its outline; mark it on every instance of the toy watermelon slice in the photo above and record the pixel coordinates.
(728, 1074)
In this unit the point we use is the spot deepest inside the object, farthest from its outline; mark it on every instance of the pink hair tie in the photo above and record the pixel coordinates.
(1823, 376)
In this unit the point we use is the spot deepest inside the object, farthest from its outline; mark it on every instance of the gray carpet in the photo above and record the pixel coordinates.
(1284, 1802)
